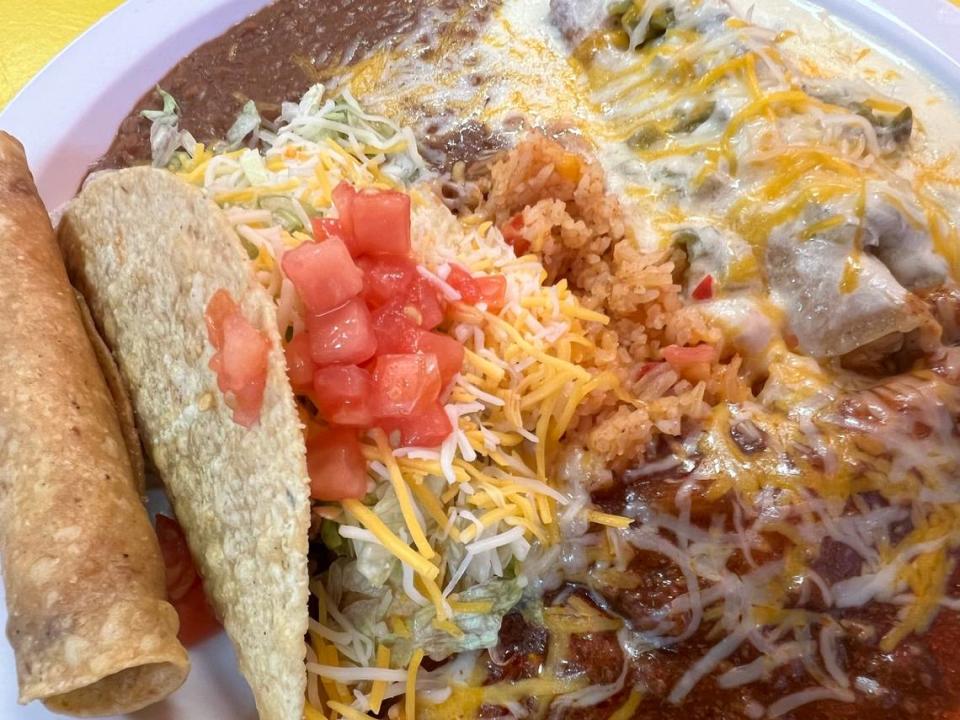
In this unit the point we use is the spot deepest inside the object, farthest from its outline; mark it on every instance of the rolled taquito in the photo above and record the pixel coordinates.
(88, 620)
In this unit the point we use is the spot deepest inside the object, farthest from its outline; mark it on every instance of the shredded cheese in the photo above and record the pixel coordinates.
(379, 687)
(410, 697)
(403, 552)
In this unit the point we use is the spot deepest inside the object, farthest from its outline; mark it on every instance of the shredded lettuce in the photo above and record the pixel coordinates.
(367, 605)
(375, 562)
(366, 582)
(166, 137)
(247, 123)
(318, 117)
(285, 212)
(254, 169)
(315, 119)
(480, 630)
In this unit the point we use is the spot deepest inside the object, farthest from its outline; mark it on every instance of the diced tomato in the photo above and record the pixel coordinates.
(423, 305)
(493, 291)
(463, 282)
(342, 394)
(704, 289)
(326, 227)
(243, 354)
(220, 307)
(240, 361)
(197, 620)
(243, 368)
(300, 363)
(512, 233)
(184, 586)
(489, 289)
(679, 356)
(691, 363)
(386, 277)
(449, 353)
(381, 222)
(323, 273)
(405, 385)
(343, 195)
(420, 306)
(336, 465)
(426, 429)
(419, 310)
(343, 336)
(395, 331)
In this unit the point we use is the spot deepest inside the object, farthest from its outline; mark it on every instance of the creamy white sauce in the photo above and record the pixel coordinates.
(839, 46)
(521, 75)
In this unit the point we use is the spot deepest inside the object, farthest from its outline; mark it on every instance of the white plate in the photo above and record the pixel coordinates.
(67, 116)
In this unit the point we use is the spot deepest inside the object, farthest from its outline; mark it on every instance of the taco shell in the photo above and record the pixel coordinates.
(148, 252)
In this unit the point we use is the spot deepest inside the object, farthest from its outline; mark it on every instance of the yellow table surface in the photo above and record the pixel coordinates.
(33, 31)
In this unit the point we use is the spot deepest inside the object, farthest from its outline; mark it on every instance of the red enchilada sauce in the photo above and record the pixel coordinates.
(919, 679)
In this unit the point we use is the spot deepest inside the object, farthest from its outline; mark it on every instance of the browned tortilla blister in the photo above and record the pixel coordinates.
(149, 251)
(90, 628)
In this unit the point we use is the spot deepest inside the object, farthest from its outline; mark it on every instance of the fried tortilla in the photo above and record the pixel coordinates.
(121, 399)
(89, 623)
(149, 252)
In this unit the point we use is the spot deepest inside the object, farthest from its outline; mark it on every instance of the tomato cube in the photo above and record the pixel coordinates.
(220, 307)
(343, 195)
(326, 228)
(342, 395)
(423, 305)
(387, 277)
(343, 336)
(240, 360)
(381, 222)
(426, 429)
(323, 273)
(244, 352)
(448, 351)
(336, 465)
(704, 289)
(513, 233)
(463, 282)
(300, 363)
(489, 289)
(492, 290)
(395, 331)
(243, 368)
(405, 385)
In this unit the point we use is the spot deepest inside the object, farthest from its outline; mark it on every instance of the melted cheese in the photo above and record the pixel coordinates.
(769, 153)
